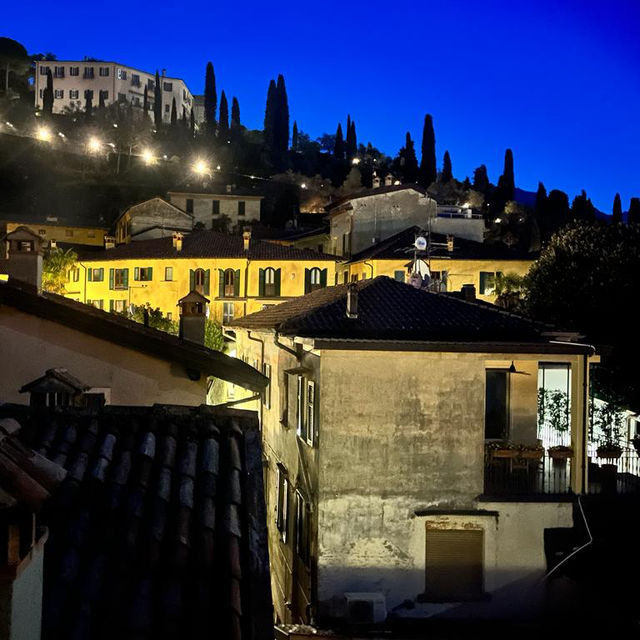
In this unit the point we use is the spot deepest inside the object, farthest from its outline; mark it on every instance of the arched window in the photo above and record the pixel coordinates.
(199, 280)
(229, 283)
(270, 282)
(315, 278)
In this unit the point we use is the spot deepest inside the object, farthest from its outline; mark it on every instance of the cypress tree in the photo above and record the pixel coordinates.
(47, 94)
(192, 124)
(582, 208)
(557, 209)
(269, 116)
(633, 215)
(282, 116)
(294, 136)
(481, 179)
(210, 98)
(352, 146)
(145, 102)
(354, 137)
(616, 217)
(409, 160)
(184, 123)
(338, 147)
(174, 113)
(447, 171)
(157, 103)
(428, 169)
(506, 182)
(235, 114)
(88, 103)
(223, 123)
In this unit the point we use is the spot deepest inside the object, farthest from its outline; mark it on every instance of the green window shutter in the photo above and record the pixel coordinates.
(90, 274)
(111, 278)
(136, 273)
(484, 277)
(221, 283)
(236, 283)
(261, 282)
(307, 280)
(207, 281)
(111, 303)
(323, 278)
(125, 279)
(277, 282)
(192, 279)
(150, 273)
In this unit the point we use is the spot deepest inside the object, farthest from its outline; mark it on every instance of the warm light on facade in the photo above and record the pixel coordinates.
(200, 167)
(147, 156)
(43, 134)
(94, 145)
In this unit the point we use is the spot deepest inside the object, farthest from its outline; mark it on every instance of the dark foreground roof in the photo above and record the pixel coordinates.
(393, 311)
(158, 529)
(206, 244)
(400, 246)
(133, 335)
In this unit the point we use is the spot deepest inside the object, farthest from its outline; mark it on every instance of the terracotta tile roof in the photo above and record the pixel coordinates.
(391, 310)
(206, 244)
(124, 332)
(400, 246)
(159, 528)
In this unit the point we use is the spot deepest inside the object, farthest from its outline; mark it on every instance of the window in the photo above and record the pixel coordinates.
(189, 205)
(282, 502)
(554, 403)
(58, 72)
(118, 278)
(315, 279)
(122, 74)
(496, 416)
(75, 274)
(266, 394)
(104, 72)
(168, 274)
(453, 566)
(488, 282)
(269, 282)
(135, 79)
(104, 94)
(169, 315)
(98, 304)
(58, 94)
(398, 275)
(117, 305)
(151, 84)
(74, 94)
(95, 275)
(215, 207)
(303, 537)
(74, 71)
(42, 232)
(143, 274)
(346, 244)
(227, 312)
(167, 86)
(41, 92)
(43, 71)
(122, 97)
(310, 413)
(199, 281)
(166, 108)
(88, 73)
(241, 207)
(88, 94)
(439, 280)
(229, 283)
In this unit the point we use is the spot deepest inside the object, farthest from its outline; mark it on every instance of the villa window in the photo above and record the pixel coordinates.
(282, 502)
(269, 283)
(74, 71)
(306, 409)
(189, 205)
(266, 394)
(229, 281)
(118, 278)
(488, 282)
(241, 208)
(215, 208)
(199, 280)
(496, 417)
(227, 312)
(88, 73)
(453, 566)
(58, 72)
(95, 275)
(104, 72)
(143, 274)
(314, 279)
(303, 533)
(168, 274)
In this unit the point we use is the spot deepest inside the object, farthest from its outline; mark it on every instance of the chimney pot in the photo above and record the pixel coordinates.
(109, 242)
(352, 300)
(468, 292)
(388, 180)
(229, 187)
(376, 182)
(246, 238)
(177, 240)
(449, 244)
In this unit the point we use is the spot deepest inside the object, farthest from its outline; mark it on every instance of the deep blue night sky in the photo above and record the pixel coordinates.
(557, 81)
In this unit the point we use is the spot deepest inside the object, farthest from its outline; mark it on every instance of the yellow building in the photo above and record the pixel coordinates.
(58, 230)
(239, 275)
(453, 262)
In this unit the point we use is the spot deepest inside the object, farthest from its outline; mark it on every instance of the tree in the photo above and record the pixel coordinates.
(481, 179)
(354, 138)
(157, 103)
(282, 117)
(408, 160)
(447, 171)
(633, 215)
(213, 335)
(235, 114)
(352, 145)
(506, 182)
(210, 98)
(294, 136)
(428, 170)
(13, 59)
(510, 291)
(88, 103)
(582, 209)
(145, 103)
(338, 147)
(146, 314)
(184, 123)
(270, 116)
(47, 94)
(192, 123)
(54, 269)
(174, 114)
(223, 123)
(616, 216)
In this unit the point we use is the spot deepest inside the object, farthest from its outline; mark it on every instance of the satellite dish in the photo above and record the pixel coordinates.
(422, 268)
(420, 244)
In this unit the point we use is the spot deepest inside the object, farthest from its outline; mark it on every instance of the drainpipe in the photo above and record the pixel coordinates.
(85, 282)
(296, 354)
(585, 417)
(232, 403)
(368, 264)
(261, 363)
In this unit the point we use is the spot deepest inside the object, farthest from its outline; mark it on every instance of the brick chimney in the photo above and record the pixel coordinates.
(352, 301)
(468, 292)
(388, 180)
(246, 238)
(22, 261)
(449, 244)
(193, 315)
(109, 242)
(177, 241)
(376, 182)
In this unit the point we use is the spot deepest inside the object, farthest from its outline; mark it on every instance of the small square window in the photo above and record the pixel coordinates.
(241, 208)
(168, 274)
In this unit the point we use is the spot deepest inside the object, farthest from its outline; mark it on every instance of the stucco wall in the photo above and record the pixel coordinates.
(30, 345)
(202, 207)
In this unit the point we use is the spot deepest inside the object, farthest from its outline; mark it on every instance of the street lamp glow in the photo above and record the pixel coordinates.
(147, 156)
(43, 134)
(355, 161)
(303, 185)
(94, 145)
(200, 167)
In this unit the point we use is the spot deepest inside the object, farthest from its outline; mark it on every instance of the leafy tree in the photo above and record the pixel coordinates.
(633, 215)
(294, 137)
(223, 123)
(157, 103)
(174, 114)
(447, 171)
(47, 94)
(582, 209)
(327, 142)
(55, 265)
(235, 114)
(213, 335)
(153, 318)
(338, 147)
(481, 179)
(13, 60)
(510, 291)
(616, 217)
(210, 98)
(428, 170)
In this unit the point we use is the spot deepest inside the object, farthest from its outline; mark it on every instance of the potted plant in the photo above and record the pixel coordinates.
(607, 422)
(635, 441)
(531, 452)
(553, 409)
(502, 449)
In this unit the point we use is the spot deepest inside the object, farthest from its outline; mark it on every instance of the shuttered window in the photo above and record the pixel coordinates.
(454, 564)
(269, 283)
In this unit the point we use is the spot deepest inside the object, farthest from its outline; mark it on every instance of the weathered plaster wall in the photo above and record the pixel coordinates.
(30, 345)
(469, 228)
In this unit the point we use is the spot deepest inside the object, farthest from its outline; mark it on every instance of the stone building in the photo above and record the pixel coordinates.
(404, 470)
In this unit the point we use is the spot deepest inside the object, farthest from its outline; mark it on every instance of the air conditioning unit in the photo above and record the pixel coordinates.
(365, 608)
